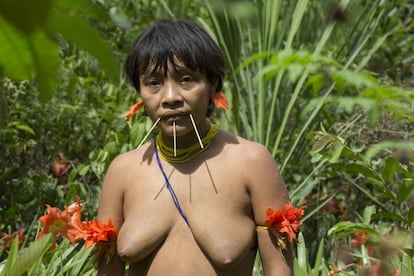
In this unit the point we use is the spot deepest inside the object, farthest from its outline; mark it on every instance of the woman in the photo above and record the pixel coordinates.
(188, 202)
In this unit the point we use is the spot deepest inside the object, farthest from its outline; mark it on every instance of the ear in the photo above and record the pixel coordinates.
(214, 85)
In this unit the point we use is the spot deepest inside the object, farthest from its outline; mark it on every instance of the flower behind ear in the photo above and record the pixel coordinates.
(133, 109)
(220, 100)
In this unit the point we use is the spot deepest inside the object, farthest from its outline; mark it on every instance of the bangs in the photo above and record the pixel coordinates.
(175, 43)
(158, 61)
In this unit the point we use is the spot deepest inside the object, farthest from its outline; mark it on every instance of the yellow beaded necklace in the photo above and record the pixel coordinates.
(184, 155)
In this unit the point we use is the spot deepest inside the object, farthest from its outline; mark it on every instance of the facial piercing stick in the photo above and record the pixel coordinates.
(146, 136)
(175, 139)
(196, 131)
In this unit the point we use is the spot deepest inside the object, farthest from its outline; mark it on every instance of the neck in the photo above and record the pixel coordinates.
(188, 139)
(182, 155)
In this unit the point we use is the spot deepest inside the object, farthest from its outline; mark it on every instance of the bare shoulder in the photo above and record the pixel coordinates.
(257, 167)
(121, 173)
(126, 165)
(248, 152)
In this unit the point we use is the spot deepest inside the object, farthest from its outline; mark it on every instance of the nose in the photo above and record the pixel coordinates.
(171, 95)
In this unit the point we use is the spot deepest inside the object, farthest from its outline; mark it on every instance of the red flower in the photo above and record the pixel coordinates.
(7, 239)
(58, 223)
(74, 211)
(96, 231)
(360, 238)
(219, 100)
(133, 109)
(68, 223)
(285, 220)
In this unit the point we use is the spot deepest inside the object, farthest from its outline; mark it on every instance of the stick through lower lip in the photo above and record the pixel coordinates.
(196, 131)
(175, 139)
(146, 136)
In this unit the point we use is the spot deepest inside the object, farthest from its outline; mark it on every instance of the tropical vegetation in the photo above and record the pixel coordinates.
(326, 85)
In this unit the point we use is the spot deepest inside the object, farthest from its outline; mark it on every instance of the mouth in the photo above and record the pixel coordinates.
(173, 115)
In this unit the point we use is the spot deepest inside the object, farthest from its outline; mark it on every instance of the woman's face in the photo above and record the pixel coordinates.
(172, 97)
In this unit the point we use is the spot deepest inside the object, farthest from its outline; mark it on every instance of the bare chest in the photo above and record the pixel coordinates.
(214, 201)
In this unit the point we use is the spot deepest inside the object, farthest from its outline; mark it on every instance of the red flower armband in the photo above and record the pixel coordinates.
(285, 222)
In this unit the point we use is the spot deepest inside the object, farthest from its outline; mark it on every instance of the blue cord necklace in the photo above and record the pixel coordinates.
(169, 187)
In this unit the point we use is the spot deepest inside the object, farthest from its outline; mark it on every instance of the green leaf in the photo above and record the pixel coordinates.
(407, 265)
(81, 7)
(356, 169)
(25, 128)
(302, 253)
(318, 261)
(31, 255)
(46, 60)
(78, 31)
(321, 142)
(11, 259)
(406, 190)
(15, 57)
(357, 79)
(389, 215)
(84, 169)
(111, 147)
(387, 145)
(368, 212)
(78, 262)
(389, 169)
(411, 215)
(25, 15)
(346, 228)
(335, 152)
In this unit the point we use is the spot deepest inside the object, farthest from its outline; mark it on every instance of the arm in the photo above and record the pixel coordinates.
(110, 207)
(267, 190)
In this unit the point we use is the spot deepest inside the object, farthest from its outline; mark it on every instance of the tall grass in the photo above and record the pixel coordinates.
(276, 51)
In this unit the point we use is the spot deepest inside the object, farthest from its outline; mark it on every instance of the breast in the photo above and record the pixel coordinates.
(144, 229)
(226, 240)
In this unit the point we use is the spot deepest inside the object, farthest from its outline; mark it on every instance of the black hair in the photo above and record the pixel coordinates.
(169, 41)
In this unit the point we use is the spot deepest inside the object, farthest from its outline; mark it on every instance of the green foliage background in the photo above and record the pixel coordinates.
(326, 86)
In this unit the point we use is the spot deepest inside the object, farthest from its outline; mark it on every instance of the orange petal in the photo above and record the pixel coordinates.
(133, 109)
(220, 100)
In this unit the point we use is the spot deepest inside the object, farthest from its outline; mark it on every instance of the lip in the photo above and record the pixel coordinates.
(173, 115)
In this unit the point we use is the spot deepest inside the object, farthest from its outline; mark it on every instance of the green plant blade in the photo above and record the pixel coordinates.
(30, 256)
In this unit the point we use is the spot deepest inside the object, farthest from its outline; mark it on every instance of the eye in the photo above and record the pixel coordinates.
(186, 79)
(152, 82)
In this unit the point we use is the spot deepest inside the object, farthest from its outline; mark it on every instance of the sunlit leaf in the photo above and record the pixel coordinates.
(78, 31)
(302, 252)
(321, 142)
(15, 56)
(346, 228)
(387, 145)
(31, 255)
(22, 127)
(368, 212)
(335, 152)
(46, 61)
(11, 259)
